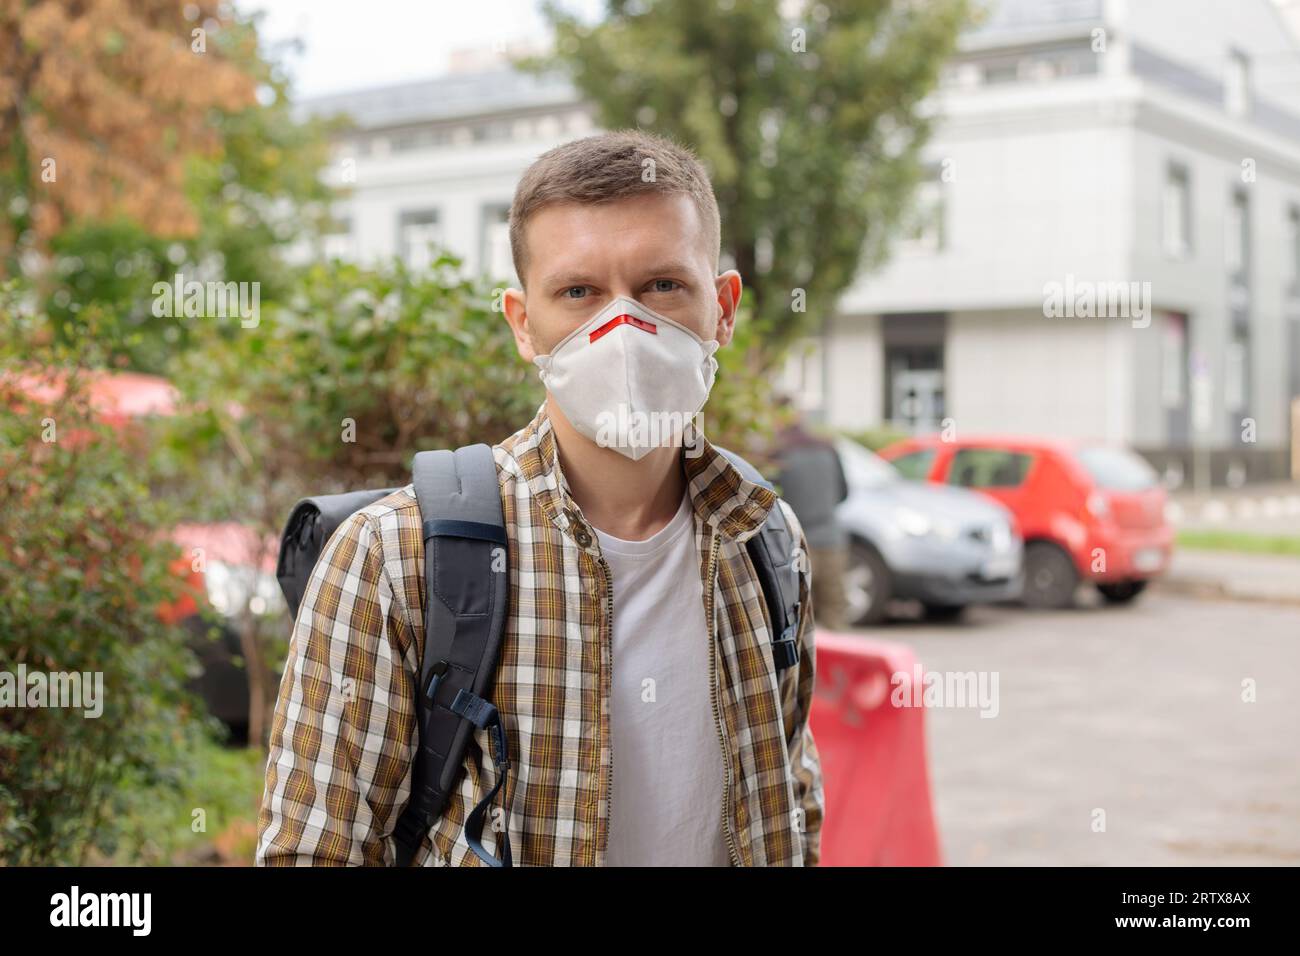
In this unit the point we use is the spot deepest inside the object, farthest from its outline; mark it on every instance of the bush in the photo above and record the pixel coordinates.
(84, 569)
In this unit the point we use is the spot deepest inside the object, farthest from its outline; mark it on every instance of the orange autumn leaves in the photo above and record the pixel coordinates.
(101, 104)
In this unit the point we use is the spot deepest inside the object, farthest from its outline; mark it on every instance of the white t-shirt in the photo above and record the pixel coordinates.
(666, 808)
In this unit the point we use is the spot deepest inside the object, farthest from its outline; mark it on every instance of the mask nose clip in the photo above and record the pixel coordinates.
(623, 318)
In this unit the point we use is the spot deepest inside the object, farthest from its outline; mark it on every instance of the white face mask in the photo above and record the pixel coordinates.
(629, 378)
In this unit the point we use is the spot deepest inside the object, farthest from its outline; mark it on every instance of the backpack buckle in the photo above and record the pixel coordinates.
(785, 649)
(435, 677)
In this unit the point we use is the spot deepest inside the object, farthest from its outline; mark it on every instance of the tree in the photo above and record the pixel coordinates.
(101, 105)
(811, 123)
(249, 189)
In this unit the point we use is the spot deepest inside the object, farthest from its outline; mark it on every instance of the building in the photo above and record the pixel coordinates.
(436, 163)
(1108, 245)
(1105, 144)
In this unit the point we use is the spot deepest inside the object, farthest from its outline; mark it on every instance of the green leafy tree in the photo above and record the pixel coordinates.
(255, 195)
(808, 115)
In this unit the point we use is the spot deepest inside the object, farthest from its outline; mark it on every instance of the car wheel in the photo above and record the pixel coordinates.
(868, 586)
(1121, 592)
(943, 612)
(1050, 576)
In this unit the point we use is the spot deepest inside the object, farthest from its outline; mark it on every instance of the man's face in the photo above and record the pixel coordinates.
(651, 248)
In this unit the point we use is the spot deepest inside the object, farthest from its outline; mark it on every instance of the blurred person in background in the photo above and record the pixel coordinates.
(811, 479)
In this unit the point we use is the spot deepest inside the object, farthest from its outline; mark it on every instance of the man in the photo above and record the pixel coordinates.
(647, 722)
(812, 482)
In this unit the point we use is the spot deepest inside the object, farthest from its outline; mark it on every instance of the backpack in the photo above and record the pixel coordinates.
(466, 597)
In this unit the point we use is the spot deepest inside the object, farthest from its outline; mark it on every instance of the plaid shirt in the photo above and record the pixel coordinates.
(344, 733)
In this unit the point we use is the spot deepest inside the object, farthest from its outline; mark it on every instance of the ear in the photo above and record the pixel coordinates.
(512, 303)
(729, 290)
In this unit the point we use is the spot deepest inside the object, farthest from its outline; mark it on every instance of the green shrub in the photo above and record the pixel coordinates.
(84, 568)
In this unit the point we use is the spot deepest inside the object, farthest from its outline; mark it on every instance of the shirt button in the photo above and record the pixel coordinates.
(582, 537)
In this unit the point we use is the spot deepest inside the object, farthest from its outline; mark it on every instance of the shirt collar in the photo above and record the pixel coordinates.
(720, 495)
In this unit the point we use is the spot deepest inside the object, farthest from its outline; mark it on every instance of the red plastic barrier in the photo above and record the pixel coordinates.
(878, 808)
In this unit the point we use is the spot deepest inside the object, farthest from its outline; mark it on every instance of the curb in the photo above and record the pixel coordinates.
(1208, 589)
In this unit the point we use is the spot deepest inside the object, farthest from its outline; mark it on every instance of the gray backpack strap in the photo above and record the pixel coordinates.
(465, 604)
(772, 552)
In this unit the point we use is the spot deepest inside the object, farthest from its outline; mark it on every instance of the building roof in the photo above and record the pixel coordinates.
(445, 97)
(1011, 15)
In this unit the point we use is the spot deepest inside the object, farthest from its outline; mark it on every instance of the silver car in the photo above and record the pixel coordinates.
(945, 547)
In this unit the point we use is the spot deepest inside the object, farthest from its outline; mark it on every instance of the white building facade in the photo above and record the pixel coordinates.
(1139, 159)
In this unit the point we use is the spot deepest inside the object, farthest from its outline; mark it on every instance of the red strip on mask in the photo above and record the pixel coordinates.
(623, 319)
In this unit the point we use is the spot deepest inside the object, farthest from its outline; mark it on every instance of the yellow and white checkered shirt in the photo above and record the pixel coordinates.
(344, 734)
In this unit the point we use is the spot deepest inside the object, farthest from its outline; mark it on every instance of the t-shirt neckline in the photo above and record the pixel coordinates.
(647, 546)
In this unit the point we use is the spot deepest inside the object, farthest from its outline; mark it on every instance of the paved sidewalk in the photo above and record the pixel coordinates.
(1270, 509)
(1228, 574)
(1136, 711)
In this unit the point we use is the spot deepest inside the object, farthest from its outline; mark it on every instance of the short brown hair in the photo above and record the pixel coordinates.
(607, 167)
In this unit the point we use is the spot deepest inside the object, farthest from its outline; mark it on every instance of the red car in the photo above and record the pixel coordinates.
(1087, 511)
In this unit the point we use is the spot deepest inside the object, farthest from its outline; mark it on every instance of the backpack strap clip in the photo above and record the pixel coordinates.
(785, 649)
(436, 674)
(484, 715)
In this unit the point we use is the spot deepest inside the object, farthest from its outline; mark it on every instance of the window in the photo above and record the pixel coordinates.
(1177, 213)
(417, 233)
(579, 122)
(1236, 239)
(1173, 361)
(801, 378)
(1044, 65)
(915, 465)
(337, 242)
(491, 131)
(863, 468)
(1117, 469)
(405, 141)
(925, 226)
(496, 258)
(913, 382)
(1234, 376)
(1236, 84)
(1004, 72)
(1293, 247)
(422, 138)
(988, 468)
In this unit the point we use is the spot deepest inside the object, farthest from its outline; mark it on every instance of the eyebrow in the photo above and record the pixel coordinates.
(566, 279)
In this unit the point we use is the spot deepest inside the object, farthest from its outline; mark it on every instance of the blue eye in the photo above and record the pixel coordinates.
(660, 283)
(575, 288)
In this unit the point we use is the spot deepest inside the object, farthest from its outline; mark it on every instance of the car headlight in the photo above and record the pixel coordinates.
(913, 522)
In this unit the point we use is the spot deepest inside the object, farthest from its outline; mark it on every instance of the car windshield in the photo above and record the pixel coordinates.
(863, 468)
(1117, 469)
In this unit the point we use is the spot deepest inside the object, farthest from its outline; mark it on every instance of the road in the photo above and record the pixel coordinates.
(1134, 712)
